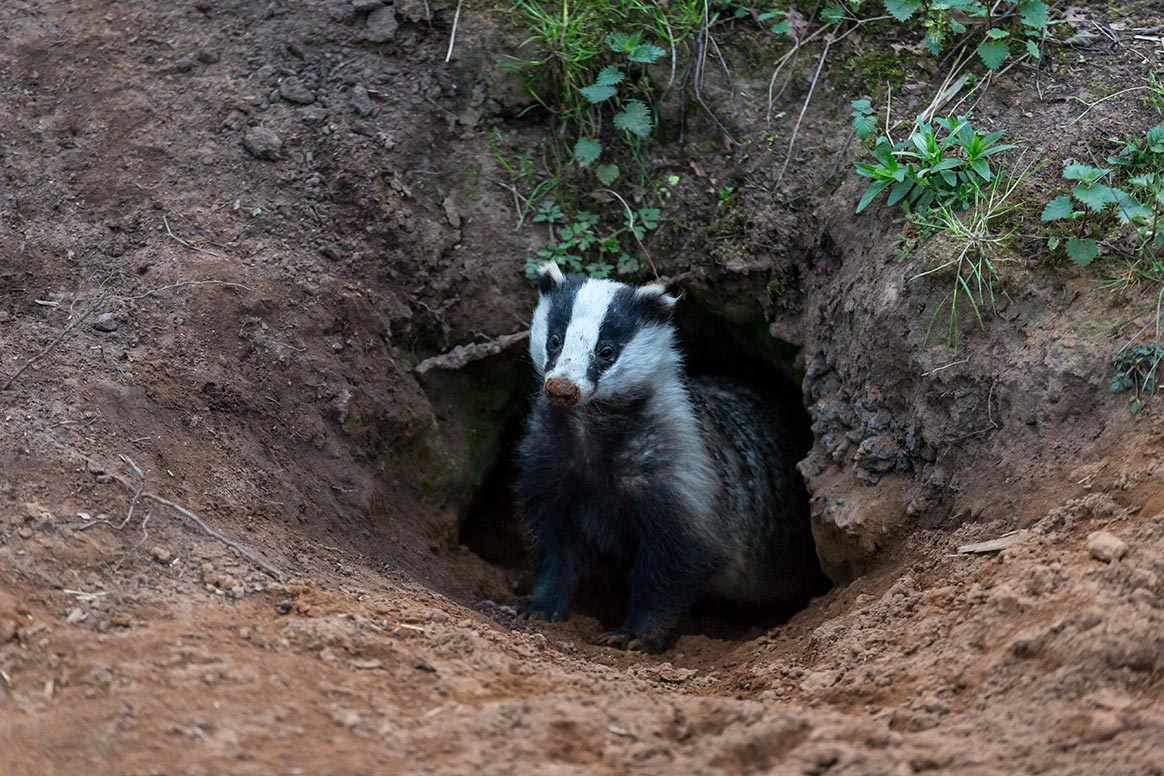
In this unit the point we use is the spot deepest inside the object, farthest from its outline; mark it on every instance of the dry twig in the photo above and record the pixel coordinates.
(180, 241)
(160, 289)
(72, 325)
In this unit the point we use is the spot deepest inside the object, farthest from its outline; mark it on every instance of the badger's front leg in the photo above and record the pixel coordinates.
(559, 567)
(669, 570)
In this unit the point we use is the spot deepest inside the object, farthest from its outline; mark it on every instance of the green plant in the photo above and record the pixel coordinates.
(1129, 194)
(937, 167)
(983, 243)
(863, 121)
(581, 246)
(1000, 24)
(1137, 370)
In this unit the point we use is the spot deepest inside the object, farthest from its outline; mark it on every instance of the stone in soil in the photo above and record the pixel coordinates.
(293, 90)
(161, 555)
(262, 143)
(362, 6)
(105, 322)
(1105, 546)
(207, 56)
(381, 25)
(361, 101)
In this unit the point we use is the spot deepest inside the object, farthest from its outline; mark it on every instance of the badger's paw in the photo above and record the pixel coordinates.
(625, 638)
(550, 611)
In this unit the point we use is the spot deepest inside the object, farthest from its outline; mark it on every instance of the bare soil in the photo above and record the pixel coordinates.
(272, 292)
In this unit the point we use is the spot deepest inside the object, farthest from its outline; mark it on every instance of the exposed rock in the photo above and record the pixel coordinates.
(262, 143)
(382, 25)
(1106, 547)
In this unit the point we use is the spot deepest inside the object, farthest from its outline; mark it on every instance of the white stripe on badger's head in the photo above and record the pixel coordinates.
(646, 355)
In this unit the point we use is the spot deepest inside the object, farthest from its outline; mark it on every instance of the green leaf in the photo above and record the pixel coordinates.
(902, 9)
(1052, 243)
(832, 14)
(620, 41)
(1033, 13)
(635, 117)
(1081, 172)
(598, 93)
(993, 54)
(1130, 210)
(1095, 196)
(586, 151)
(649, 217)
(898, 192)
(871, 192)
(782, 28)
(863, 126)
(645, 54)
(994, 33)
(1032, 49)
(934, 39)
(609, 76)
(1082, 251)
(607, 173)
(982, 167)
(1058, 208)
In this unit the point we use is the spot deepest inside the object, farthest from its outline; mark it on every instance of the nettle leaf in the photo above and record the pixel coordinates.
(1033, 13)
(645, 54)
(1082, 172)
(620, 41)
(1130, 210)
(833, 14)
(1082, 251)
(902, 9)
(993, 53)
(607, 173)
(863, 126)
(1095, 196)
(597, 93)
(994, 33)
(609, 76)
(933, 40)
(635, 117)
(1033, 50)
(586, 151)
(1058, 208)
(782, 28)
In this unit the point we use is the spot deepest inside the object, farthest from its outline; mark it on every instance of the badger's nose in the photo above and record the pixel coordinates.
(561, 392)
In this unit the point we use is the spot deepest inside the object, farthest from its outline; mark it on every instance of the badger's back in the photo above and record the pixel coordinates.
(761, 506)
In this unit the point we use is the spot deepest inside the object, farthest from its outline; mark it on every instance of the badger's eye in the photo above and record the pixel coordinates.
(606, 352)
(555, 342)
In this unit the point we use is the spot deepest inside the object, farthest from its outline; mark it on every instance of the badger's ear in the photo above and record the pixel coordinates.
(656, 299)
(549, 277)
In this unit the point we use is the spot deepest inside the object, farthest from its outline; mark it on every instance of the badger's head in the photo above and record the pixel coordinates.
(598, 340)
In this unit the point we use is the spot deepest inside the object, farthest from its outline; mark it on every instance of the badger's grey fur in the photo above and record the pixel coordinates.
(689, 482)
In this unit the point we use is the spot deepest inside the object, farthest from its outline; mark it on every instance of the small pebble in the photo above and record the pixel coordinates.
(25, 532)
(262, 143)
(161, 555)
(207, 56)
(295, 91)
(284, 607)
(361, 101)
(184, 64)
(75, 616)
(105, 322)
(1105, 546)
(362, 6)
(7, 631)
(121, 621)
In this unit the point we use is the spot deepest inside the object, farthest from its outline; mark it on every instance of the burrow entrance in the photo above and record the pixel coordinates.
(741, 349)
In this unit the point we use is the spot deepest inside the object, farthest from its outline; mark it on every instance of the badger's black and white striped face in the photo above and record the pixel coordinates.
(598, 339)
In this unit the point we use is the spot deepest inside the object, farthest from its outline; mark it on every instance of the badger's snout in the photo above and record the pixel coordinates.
(561, 392)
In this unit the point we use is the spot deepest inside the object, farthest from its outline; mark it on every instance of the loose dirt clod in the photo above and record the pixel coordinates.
(1106, 547)
(262, 143)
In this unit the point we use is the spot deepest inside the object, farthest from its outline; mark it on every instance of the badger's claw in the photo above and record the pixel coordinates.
(531, 609)
(624, 638)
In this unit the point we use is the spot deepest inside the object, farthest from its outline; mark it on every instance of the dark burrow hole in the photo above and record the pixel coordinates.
(492, 527)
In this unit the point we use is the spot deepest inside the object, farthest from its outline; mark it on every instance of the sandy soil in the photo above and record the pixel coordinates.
(282, 217)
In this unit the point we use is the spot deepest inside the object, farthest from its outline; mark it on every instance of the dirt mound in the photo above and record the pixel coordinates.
(231, 232)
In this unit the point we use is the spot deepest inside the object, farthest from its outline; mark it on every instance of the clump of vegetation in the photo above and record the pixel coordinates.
(936, 166)
(1129, 193)
(581, 245)
(1004, 28)
(1137, 370)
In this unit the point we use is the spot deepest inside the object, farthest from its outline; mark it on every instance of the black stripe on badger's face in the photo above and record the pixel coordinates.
(625, 315)
(561, 310)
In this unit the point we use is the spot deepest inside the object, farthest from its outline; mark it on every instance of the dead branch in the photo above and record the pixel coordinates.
(180, 241)
(72, 325)
(160, 289)
(140, 493)
(463, 355)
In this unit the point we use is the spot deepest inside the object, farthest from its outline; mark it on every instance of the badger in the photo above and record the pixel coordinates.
(689, 483)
